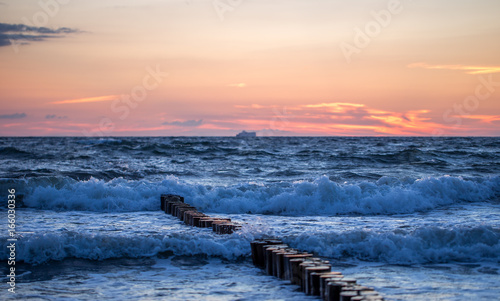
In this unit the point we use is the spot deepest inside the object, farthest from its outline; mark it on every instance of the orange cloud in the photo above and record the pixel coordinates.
(12, 125)
(252, 106)
(468, 69)
(210, 126)
(87, 99)
(483, 118)
(339, 118)
(335, 105)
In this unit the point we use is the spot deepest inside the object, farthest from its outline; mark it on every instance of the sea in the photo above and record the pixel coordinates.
(416, 218)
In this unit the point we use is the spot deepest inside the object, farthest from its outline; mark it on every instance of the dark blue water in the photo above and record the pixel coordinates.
(404, 214)
(266, 159)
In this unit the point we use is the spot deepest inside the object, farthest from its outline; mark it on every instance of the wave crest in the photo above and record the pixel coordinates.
(319, 197)
(423, 245)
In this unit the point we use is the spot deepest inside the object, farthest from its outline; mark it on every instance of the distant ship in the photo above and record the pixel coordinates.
(245, 134)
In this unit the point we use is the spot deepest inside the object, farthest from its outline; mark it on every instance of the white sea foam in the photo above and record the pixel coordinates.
(319, 197)
(423, 245)
(40, 248)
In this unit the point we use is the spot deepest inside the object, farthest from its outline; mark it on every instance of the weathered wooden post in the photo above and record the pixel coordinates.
(349, 281)
(207, 223)
(167, 199)
(348, 295)
(258, 252)
(225, 228)
(333, 289)
(269, 256)
(280, 262)
(288, 266)
(325, 278)
(164, 198)
(302, 272)
(195, 219)
(276, 265)
(173, 207)
(308, 271)
(312, 281)
(295, 277)
(181, 209)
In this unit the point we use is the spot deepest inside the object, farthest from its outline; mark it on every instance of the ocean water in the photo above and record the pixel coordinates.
(415, 218)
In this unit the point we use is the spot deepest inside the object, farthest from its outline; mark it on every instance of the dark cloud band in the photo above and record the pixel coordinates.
(13, 116)
(23, 34)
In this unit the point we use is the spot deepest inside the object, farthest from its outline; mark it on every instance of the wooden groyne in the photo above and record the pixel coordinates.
(313, 275)
(174, 205)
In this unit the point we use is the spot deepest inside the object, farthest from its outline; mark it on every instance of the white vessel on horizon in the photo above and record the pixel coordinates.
(245, 134)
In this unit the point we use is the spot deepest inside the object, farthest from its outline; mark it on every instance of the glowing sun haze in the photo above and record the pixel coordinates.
(282, 67)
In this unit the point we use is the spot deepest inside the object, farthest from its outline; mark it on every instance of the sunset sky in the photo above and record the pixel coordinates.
(278, 67)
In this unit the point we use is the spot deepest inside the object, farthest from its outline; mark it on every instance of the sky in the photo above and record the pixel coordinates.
(277, 67)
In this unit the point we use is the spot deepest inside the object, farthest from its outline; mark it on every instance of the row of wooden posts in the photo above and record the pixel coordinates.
(312, 274)
(174, 205)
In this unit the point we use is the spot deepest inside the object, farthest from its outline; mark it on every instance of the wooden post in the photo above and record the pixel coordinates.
(268, 251)
(164, 198)
(276, 265)
(215, 224)
(169, 197)
(204, 222)
(182, 209)
(347, 296)
(302, 272)
(196, 219)
(225, 228)
(173, 207)
(253, 247)
(333, 289)
(350, 288)
(308, 281)
(259, 245)
(324, 278)
(313, 284)
(168, 207)
(188, 216)
(349, 281)
(281, 269)
(287, 264)
(295, 277)
(207, 223)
